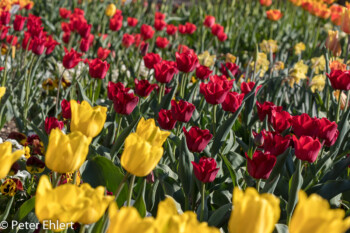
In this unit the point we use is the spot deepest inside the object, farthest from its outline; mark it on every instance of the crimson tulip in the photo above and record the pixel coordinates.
(66, 112)
(159, 25)
(165, 71)
(187, 61)
(266, 108)
(216, 90)
(52, 123)
(304, 125)
(143, 88)
(182, 110)
(150, 59)
(275, 143)
(232, 67)
(162, 42)
(197, 139)
(280, 120)
(166, 120)
(132, 22)
(190, 28)
(209, 21)
(18, 23)
(232, 102)
(340, 80)
(327, 131)
(71, 58)
(206, 170)
(306, 148)
(124, 103)
(127, 40)
(115, 88)
(98, 69)
(203, 72)
(171, 29)
(146, 32)
(261, 164)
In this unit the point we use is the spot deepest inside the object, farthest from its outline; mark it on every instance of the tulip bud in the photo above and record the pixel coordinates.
(259, 139)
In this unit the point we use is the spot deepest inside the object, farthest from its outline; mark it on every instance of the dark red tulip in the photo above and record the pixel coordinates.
(66, 37)
(280, 120)
(216, 29)
(159, 16)
(203, 72)
(222, 36)
(18, 23)
(206, 170)
(127, 40)
(232, 67)
(5, 17)
(327, 131)
(261, 164)
(3, 31)
(166, 120)
(84, 45)
(65, 27)
(306, 148)
(11, 40)
(38, 45)
(71, 59)
(182, 29)
(144, 48)
(98, 69)
(209, 21)
(26, 42)
(216, 90)
(171, 29)
(190, 28)
(65, 106)
(132, 22)
(146, 32)
(103, 53)
(247, 87)
(116, 23)
(197, 139)
(84, 30)
(162, 42)
(275, 143)
(124, 103)
(50, 45)
(150, 59)
(52, 123)
(266, 108)
(165, 71)
(340, 80)
(159, 25)
(305, 125)
(114, 88)
(187, 61)
(143, 88)
(182, 110)
(232, 102)
(64, 13)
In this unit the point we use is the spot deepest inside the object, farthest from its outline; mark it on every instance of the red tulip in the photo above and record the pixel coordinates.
(85, 44)
(182, 110)
(182, 29)
(187, 61)
(115, 88)
(190, 28)
(143, 88)
(159, 25)
(340, 80)
(306, 148)
(98, 69)
(171, 29)
(232, 67)
(18, 23)
(222, 36)
(66, 37)
(132, 22)
(124, 103)
(38, 45)
(11, 39)
(159, 16)
(64, 13)
(197, 139)
(275, 143)
(209, 21)
(305, 125)
(266, 2)
(65, 106)
(116, 23)
(165, 71)
(50, 45)
(261, 164)
(247, 87)
(327, 131)
(265, 109)
(216, 90)
(206, 170)
(26, 42)
(52, 123)
(216, 29)
(71, 59)
(3, 31)
(162, 42)
(232, 102)
(166, 120)
(127, 40)
(280, 120)
(203, 72)
(103, 53)
(146, 31)
(84, 30)
(5, 17)
(151, 59)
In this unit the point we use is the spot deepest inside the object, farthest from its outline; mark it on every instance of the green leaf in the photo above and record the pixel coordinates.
(220, 215)
(281, 228)
(185, 167)
(25, 209)
(140, 203)
(331, 188)
(296, 182)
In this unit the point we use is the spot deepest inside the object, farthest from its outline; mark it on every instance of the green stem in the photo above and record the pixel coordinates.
(121, 185)
(82, 229)
(28, 89)
(161, 91)
(120, 119)
(58, 92)
(203, 200)
(7, 210)
(214, 119)
(131, 187)
(347, 101)
(258, 185)
(338, 108)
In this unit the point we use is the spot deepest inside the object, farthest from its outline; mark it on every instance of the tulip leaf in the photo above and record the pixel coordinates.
(339, 168)
(82, 94)
(25, 209)
(185, 167)
(296, 182)
(331, 189)
(165, 104)
(220, 215)
(343, 128)
(281, 228)
(140, 203)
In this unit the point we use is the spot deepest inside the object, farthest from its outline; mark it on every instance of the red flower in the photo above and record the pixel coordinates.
(66, 37)
(143, 88)
(146, 31)
(203, 72)
(115, 88)
(159, 24)
(84, 30)
(52, 123)
(132, 22)
(3, 31)
(11, 39)
(216, 29)
(150, 59)
(305, 125)
(190, 28)
(127, 40)
(18, 23)
(171, 29)
(65, 106)
(265, 2)
(306, 148)
(232, 102)
(232, 67)
(187, 61)
(222, 36)
(327, 131)
(261, 164)
(144, 48)
(103, 53)
(182, 29)
(206, 170)
(197, 139)
(50, 45)
(275, 143)
(340, 80)
(65, 27)
(38, 45)
(124, 103)
(247, 87)
(64, 13)
(182, 110)
(216, 90)
(165, 71)
(26, 42)
(209, 21)
(5, 17)
(265, 109)
(71, 59)
(116, 23)
(159, 16)
(162, 42)
(86, 43)
(98, 69)
(280, 120)
(166, 120)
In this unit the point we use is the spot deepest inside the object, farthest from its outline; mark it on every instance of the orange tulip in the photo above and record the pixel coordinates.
(345, 21)
(274, 15)
(266, 2)
(296, 2)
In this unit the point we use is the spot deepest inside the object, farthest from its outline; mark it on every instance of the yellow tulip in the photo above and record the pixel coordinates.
(143, 149)
(7, 158)
(268, 46)
(110, 10)
(2, 91)
(253, 212)
(318, 64)
(86, 119)
(69, 203)
(318, 83)
(206, 59)
(298, 48)
(313, 214)
(66, 153)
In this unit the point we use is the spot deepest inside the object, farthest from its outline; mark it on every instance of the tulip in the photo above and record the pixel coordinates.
(150, 59)
(275, 143)
(66, 111)
(115, 88)
(171, 29)
(143, 149)
(50, 45)
(247, 87)
(209, 21)
(263, 209)
(306, 148)
(190, 28)
(69, 203)
(232, 67)
(7, 158)
(146, 32)
(86, 119)
(127, 40)
(84, 30)
(261, 164)
(182, 29)
(11, 40)
(111, 9)
(197, 139)
(340, 80)
(166, 120)
(216, 90)
(203, 72)
(38, 46)
(124, 103)
(64, 13)
(318, 82)
(52, 123)
(345, 21)
(222, 36)
(186, 61)
(268, 46)
(313, 214)
(18, 23)
(266, 108)
(333, 43)
(328, 131)
(182, 110)
(71, 59)
(232, 102)
(132, 22)
(206, 59)
(159, 25)
(274, 15)
(2, 91)
(5, 17)
(162, 42)
(206, 170)
(304, 125)
(98, 69)
(164, 71)
(66, 153)
(143, 88)
(216, 29)
(116, 23)
(280, 120)
(266, 2)
(66, 37)
(103, 53)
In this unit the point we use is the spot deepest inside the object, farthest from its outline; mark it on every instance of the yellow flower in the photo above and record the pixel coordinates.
(193, 79)
(86, 119)
(279, 65)
(9, 187)
(333, 43)
(262, 64)
(262, 209)
(69, 203)
(318, 64)
(110, 10)
(317, 83)
(298, 72)
(230, 58)
(66, 153)
(27, 152)
(143, 149)
(7, 158)
(343, 98)
(2, 91)
(206, 59)
(298, 48)
(313, 214)
(268, 46)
